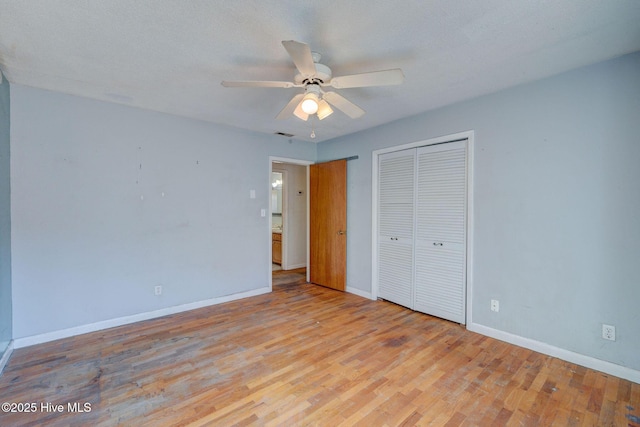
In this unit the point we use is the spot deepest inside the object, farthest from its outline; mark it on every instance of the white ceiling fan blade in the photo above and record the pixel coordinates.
(301, 55)
(374, 78)
(343, 104)
(257, 83)
(288, 110)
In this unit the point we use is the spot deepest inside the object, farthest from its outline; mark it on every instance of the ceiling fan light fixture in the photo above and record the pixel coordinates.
(324, 109)
(299, 113)
(310, 103)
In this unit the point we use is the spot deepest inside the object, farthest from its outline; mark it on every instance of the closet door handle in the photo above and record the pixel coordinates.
(437, 244)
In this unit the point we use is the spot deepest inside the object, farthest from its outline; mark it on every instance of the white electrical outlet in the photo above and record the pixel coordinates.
(495, 305)
(158, 290)
(609, 332)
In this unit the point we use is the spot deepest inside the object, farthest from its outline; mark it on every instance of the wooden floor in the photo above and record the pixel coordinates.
(289, 277)
(306, 355)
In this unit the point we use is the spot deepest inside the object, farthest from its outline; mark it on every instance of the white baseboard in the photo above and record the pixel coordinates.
(359, 292)
(6, 356)
(294, 266)
(560, 353)
(112, 323)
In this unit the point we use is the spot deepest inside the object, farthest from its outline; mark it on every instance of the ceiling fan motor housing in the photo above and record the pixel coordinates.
(322, 75)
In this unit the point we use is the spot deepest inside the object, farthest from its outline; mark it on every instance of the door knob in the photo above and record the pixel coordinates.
(341, 232)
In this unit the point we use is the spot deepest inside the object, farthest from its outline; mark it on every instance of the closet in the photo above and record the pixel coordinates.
(422, 222)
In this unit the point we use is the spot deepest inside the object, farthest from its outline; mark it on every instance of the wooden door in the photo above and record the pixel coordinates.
(328, 224)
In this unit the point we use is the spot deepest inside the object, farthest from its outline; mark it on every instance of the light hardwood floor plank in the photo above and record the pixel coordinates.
(306, 355)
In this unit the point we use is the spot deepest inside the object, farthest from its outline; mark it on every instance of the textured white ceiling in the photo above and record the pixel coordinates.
(170, 56)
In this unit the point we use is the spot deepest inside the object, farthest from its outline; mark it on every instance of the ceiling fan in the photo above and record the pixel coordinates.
(314, 78)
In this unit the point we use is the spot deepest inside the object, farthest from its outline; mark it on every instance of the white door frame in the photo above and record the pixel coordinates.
(469, 136)
(305, 163)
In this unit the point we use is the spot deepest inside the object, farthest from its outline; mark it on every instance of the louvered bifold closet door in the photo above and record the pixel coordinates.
(441, 220)
(396, 176)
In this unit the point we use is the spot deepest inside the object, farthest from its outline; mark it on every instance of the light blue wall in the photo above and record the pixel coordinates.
(557, 205)
(92, 233)
(5, 219)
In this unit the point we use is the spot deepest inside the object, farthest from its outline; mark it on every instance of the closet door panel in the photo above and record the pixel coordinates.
(441, 201)
(396, 226)
(440, 282)
(395, 272)
(396, 220)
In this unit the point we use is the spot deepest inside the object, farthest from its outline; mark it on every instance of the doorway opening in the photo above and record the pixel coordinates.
(288, 220)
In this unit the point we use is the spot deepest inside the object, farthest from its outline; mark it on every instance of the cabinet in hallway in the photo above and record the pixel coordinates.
(276, 250)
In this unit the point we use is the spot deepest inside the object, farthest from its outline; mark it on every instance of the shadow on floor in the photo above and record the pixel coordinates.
(290, 277)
